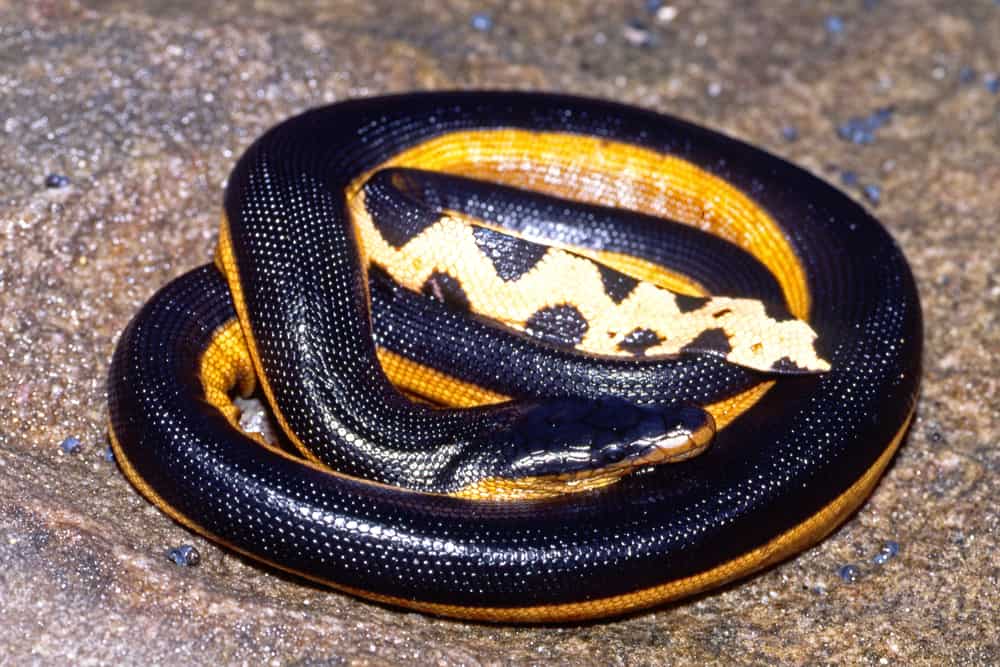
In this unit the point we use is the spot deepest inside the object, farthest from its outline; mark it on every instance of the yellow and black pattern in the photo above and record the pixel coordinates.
(463, 510)
(569, 299)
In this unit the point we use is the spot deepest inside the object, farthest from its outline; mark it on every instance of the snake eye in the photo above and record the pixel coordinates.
(613, 453)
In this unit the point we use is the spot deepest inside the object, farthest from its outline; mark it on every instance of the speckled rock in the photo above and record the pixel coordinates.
(119, 122)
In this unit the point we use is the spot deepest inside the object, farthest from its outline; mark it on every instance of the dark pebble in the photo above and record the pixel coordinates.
(71, 445)
(482, 22)
(873, 193)
(849, 573)
(966, 74)
(855, 133)
(848, 178)
(834, 25)
(886, 553)
(109, 454)
(55, 181)
(653, 5)
(861, 129)
(882, 116)
(992, 83)
(637, 33)
(185, 555)
(790, 133)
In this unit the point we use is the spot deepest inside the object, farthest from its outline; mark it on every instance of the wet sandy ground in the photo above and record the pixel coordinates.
(119, 122)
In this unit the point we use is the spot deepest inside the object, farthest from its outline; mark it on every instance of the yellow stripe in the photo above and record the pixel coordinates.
(433, 385)
(442, 389)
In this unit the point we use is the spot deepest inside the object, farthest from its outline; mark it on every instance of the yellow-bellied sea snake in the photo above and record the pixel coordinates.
(706, 372)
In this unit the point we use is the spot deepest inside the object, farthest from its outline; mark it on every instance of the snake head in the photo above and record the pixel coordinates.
(564, 446)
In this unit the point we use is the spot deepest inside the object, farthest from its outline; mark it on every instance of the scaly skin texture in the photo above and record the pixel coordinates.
(799, 457)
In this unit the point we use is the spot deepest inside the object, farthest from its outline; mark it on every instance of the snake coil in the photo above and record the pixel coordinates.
(401, 502)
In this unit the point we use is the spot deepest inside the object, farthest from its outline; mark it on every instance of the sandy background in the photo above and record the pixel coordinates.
(143, 107)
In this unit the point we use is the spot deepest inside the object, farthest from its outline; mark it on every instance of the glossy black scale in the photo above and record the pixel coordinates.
(801, 446)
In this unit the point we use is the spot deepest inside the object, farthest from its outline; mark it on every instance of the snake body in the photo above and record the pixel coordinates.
(550, 507)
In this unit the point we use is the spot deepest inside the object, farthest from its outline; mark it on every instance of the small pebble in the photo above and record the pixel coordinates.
(185, 555)
(992, 83)
(790, 133)
(56, 181)
(855, 133)
(886, 553)
(254, 418)
(482, 22)
(636, 33)
(873, 193)
(71, 445)
(834, 25)
(861, 129)
(109, 454)
(849, 573)
(666, 14)
(848, 178)
(882, 116)
(652, 6)
(966, 74)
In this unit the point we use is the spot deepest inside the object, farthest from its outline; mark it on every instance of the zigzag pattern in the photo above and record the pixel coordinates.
(570, 300)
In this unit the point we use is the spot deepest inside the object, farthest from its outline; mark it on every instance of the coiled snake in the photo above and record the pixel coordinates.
(660, 442)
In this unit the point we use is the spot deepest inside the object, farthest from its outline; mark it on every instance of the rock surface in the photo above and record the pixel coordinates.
(119, 122)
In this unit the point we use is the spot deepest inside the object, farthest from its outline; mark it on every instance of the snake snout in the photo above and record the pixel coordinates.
(635, 436)
(673, 434)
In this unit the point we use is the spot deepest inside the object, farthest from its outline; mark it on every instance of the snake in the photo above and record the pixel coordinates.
(642, 359)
